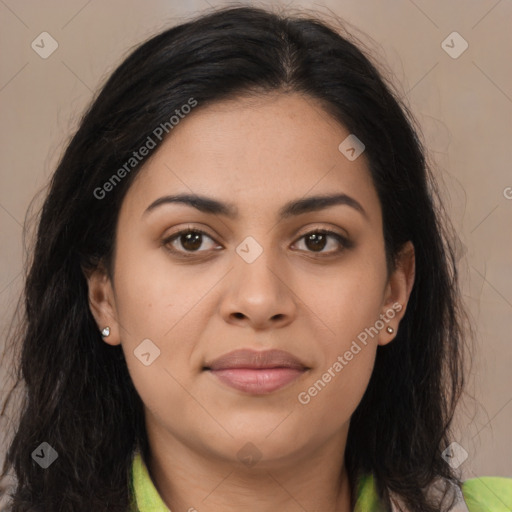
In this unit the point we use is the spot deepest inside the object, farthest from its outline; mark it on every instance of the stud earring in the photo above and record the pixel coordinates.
(390, 330)
(105, 332)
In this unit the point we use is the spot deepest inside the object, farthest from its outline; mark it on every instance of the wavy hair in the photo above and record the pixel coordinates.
(79, 396)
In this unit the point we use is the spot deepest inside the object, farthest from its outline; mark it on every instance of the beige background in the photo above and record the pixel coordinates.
(463, 105)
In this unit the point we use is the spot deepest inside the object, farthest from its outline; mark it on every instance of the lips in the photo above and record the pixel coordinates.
(256, 372)
(255, 360)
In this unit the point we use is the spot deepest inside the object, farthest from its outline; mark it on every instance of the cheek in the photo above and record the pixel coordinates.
(330, 401)
(154, 309)
(345, 301)
(349, 305)
(150, 298)
(331, 396)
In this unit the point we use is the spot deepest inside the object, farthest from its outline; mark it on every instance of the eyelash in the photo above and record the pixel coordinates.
(344, 242)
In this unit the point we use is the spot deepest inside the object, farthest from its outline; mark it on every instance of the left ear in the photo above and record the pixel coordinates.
(397, 292)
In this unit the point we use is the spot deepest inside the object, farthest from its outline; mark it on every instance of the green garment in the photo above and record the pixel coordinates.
(485, 494)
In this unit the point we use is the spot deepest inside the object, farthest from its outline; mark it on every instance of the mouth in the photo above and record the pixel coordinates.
(256, 373)
(257, 381)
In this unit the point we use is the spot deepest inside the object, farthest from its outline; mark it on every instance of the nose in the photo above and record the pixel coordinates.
(259, 295)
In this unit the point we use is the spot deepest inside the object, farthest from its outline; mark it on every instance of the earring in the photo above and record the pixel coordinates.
(105, 332)
(390, 330)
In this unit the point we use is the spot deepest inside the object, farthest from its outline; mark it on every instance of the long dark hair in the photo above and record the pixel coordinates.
(79, 395)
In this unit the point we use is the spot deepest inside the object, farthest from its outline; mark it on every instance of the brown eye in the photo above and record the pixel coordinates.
(191, 241)
(186, 241)
(317, 241)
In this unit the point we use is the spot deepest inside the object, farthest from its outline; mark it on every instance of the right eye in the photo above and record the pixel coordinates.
(189, 239)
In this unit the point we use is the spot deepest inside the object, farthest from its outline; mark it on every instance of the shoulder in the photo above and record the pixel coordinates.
(488, 494)
(483, 494)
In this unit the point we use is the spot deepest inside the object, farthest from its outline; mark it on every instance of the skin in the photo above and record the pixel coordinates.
(257, 153)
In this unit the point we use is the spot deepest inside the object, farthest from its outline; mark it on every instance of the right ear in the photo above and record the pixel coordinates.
(102, 303)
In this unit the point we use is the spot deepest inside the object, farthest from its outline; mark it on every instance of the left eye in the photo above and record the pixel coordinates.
(316, 241)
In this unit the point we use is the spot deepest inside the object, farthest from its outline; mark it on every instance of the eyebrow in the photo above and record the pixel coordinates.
(229, 210)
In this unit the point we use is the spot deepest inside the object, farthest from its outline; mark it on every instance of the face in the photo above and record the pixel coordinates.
(192, 284)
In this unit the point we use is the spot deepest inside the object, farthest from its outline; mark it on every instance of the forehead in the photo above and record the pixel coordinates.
(252, 151)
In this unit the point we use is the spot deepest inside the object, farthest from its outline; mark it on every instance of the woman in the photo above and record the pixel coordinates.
(242, 294)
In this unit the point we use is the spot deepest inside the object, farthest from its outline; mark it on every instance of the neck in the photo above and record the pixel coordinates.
(189, 481)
